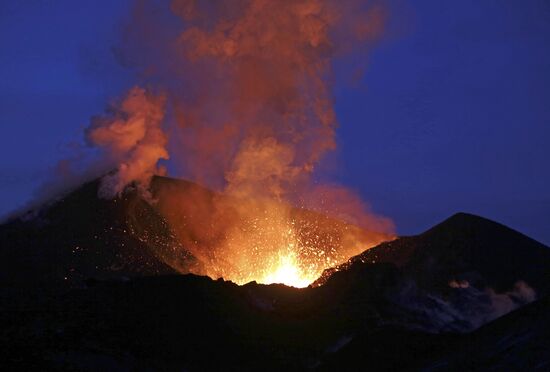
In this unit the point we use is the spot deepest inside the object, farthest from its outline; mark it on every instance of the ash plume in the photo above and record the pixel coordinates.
(246, 110)
(131, 138)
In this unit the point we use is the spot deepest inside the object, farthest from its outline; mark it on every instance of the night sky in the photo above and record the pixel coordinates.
(450, 115)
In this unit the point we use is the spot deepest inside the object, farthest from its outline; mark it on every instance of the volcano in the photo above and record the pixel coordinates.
(80, 236)
(88, 284)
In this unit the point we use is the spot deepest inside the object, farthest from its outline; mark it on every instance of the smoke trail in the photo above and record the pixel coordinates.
(261, 115)
(246, 109)
(131, 138)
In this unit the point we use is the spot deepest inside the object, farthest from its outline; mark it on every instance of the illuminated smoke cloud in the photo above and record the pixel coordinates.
(131, 138)
(246, 109)
(246, 77)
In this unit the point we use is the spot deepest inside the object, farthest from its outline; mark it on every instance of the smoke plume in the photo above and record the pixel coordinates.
(131, 138)
(248, 80)
(246, 110)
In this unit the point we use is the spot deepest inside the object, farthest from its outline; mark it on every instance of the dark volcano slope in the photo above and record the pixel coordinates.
(397, 313)
(81, 236)
(195, 323)
(519, 341)
(188, 322)
(464, 248)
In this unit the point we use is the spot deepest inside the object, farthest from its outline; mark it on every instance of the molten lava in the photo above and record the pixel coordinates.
(238, 97)
(287, 271)
(257, 239)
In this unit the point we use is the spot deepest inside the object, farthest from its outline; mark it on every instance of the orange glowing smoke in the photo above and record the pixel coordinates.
(134, 140)
(251, 115)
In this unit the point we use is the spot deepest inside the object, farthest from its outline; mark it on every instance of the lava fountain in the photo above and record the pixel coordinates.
(239, 98)
(287, 271)
(265, 240)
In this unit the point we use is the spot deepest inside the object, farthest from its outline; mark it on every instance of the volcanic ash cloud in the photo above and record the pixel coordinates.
(246, 109)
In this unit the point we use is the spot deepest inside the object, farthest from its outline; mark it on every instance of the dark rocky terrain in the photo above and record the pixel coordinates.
(466, 247)
(515, 342)
(79, 290)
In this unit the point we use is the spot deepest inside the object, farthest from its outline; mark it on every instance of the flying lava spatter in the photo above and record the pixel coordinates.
(239, 98)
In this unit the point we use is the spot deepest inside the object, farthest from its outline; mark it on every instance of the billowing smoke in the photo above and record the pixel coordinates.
(248, 83)
(246, 110)
(132, 139)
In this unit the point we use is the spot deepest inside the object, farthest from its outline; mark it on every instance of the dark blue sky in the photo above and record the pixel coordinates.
(451, 115)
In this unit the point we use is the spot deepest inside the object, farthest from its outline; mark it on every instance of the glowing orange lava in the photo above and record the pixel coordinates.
(287, 271)
(256, 239)
(248, 89)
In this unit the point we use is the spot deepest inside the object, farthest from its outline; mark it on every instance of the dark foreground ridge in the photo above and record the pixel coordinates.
(464, 247)
(80, 291)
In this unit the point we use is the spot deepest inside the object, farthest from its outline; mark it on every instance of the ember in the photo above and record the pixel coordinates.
(246, 97)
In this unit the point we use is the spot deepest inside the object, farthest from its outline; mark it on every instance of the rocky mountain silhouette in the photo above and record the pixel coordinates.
(83, 286)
